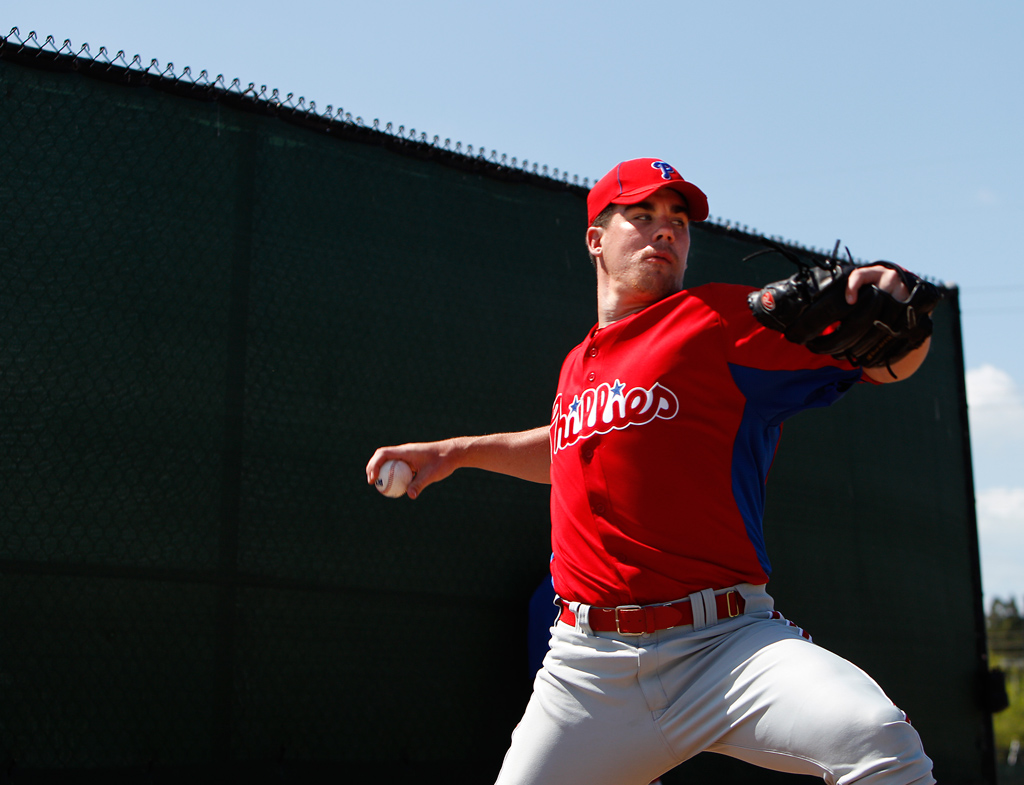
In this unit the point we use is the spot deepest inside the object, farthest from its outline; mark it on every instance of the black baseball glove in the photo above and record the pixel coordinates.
(810, 308)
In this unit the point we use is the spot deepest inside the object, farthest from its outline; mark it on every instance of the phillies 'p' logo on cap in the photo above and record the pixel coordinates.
(666, 170)
(633, 181)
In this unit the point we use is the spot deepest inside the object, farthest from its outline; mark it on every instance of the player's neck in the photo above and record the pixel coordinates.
(615, 303)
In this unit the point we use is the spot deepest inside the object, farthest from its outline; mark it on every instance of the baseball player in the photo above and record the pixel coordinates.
(662, 430)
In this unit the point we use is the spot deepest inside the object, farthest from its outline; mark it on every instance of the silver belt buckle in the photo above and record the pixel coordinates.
(618, 627)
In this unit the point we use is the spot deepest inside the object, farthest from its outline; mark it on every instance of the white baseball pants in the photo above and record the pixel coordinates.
(621, 710)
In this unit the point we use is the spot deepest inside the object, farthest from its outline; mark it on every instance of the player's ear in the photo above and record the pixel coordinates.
(595, 236)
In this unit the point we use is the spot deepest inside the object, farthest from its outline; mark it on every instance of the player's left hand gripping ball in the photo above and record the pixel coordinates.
(394, 479)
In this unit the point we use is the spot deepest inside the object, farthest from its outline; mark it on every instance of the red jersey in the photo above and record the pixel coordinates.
(662, 434)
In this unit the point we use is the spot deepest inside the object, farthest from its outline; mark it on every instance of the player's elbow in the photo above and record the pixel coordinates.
(901, 369)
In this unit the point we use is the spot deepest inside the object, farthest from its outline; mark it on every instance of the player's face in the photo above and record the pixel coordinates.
(641, 253)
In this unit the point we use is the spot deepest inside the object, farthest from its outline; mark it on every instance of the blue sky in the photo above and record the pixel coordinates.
(895, 126)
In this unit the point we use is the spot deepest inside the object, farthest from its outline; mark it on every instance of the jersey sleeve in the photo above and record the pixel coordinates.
(778, 377)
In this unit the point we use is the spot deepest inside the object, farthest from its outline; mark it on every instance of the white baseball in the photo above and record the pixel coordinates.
(394, 478)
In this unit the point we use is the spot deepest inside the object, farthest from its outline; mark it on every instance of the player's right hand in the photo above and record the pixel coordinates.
(429, 461)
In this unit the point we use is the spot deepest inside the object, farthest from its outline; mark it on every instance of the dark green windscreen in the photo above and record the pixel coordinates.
(210, 318)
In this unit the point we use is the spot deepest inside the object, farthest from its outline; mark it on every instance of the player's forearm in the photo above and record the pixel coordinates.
(525, 454)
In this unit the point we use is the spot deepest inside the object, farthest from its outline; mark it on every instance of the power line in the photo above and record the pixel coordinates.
(993, 311)
(996, 287)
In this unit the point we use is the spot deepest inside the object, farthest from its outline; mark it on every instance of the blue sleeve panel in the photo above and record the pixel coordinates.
(772, 397)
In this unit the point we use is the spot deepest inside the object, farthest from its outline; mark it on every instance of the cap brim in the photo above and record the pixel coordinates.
(696, 201)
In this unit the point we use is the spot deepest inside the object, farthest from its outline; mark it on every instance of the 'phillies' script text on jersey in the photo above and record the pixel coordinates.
(606, 408)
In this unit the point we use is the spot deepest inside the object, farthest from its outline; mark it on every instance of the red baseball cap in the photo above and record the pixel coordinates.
(633, 181)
